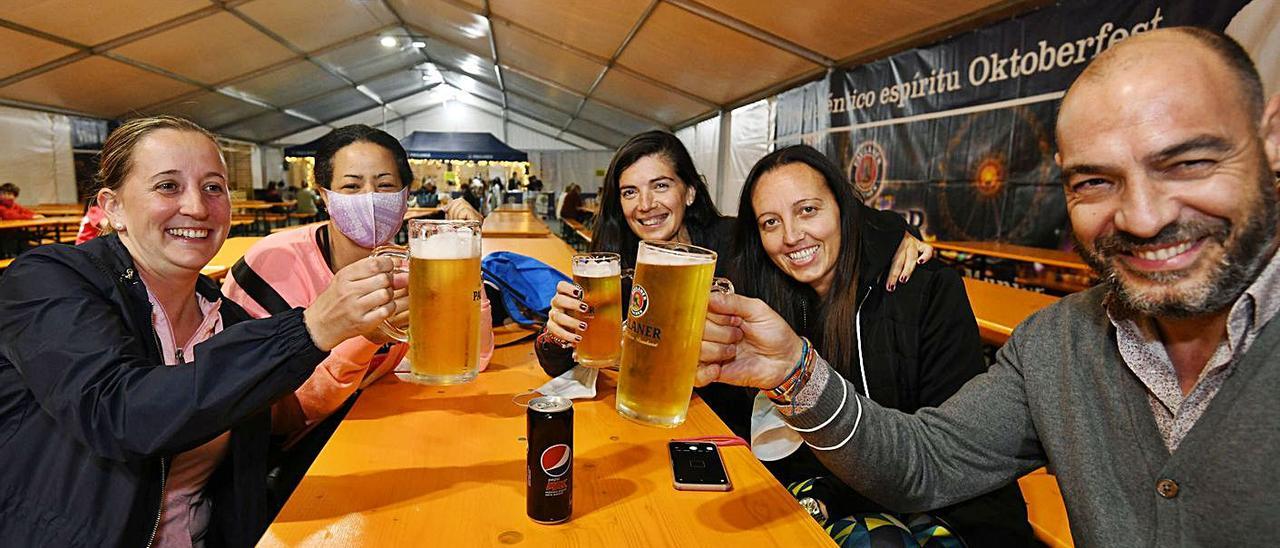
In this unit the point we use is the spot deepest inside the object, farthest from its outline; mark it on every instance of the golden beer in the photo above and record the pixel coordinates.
(444, 300)
(663, 334)
(599, 276)
(444, 319)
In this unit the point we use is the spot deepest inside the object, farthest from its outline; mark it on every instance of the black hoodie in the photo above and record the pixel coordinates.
(920, 344)
(90, 417)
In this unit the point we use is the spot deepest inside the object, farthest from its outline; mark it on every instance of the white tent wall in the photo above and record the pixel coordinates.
(521, 138)
(1257, 28)
(455, 116)
(748, 142)
(559, 168)
(706, 153)
(703, 142)
(35, 154)
(460, 116)
(272, 163)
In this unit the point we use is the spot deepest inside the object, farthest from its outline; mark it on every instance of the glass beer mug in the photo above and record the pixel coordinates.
(444, 300)
(662, 336)
(600, 277)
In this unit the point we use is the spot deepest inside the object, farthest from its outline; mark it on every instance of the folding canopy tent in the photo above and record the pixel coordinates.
(426, 147)
(437, 145)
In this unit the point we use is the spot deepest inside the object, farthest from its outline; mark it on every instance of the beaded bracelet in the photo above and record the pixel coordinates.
(784, 393)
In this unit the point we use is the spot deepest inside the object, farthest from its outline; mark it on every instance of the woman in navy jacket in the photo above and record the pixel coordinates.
(94, 415)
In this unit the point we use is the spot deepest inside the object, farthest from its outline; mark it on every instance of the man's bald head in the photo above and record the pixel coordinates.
(1122, 59)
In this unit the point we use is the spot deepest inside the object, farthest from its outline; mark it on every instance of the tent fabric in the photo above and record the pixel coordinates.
(305, 150)
(439, 145)
(596, 72)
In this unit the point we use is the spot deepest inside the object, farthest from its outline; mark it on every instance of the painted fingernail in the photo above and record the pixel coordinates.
(577, 338)
(582, 326)
(890, 288)
(577, 292)
(902, 278)
(921, 260)
(583, 307)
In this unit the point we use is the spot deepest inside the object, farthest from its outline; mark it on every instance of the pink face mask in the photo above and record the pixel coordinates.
(370, 219)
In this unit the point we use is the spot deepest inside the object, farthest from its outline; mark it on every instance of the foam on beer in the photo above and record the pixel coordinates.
(445, 245)
(663, 257)
(597, 269)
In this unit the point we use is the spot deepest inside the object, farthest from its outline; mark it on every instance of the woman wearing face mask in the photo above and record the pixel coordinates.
(361, 173)
(652, 191)
(819, 258)
(133, 396)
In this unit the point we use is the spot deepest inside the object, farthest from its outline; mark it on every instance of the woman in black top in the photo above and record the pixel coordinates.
(652, 191)
(818, 256)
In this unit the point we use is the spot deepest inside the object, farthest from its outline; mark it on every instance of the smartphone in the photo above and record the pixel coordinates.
(696, 466)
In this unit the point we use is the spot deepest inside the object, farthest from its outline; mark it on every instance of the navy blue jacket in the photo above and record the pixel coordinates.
(90, 417)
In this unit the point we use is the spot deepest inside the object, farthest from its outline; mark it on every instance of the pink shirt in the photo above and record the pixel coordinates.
(293, 265)
(184, 518)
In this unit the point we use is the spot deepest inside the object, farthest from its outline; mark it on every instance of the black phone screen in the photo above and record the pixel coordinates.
(697, 464)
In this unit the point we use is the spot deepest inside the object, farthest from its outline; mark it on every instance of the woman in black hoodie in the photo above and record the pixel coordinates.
(820, 257)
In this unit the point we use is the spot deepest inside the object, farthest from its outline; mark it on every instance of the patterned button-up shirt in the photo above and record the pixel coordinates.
(1144, 353)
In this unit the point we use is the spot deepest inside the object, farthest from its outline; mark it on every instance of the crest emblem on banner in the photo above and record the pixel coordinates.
(867, 169)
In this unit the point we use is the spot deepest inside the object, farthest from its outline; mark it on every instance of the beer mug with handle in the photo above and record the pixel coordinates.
(444, 300)
(662, 335)
(600, 277)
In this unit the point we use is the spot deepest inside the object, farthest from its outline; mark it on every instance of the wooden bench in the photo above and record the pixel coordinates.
(579, 234)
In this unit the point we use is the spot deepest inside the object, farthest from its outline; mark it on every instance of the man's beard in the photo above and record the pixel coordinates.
(1247, 253)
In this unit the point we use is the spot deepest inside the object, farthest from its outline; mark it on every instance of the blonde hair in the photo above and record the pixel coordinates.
(116, 160)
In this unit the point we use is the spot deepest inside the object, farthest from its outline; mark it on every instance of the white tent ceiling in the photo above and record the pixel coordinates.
(596, 71)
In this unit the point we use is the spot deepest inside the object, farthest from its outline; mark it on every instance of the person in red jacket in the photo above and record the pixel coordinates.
(9, 208)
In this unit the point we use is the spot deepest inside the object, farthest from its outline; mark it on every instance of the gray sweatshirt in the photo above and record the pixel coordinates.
(1060, 395)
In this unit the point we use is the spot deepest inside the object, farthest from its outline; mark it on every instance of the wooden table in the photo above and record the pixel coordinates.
(58, 209)
(56, 222)
(1001, 308)
(515, 207)
(232, 250)
(1051, 257)
(18, 233)
(445, 466)
(552, 251)
(421, 212)
(514, 224)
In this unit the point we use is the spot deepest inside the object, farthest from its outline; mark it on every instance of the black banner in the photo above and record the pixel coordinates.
(958, 136)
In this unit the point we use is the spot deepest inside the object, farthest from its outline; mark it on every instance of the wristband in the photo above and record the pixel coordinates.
(784, 393)
(547, 339)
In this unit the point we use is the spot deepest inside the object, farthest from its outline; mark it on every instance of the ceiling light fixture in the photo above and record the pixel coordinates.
(388, 41)
(419, 44)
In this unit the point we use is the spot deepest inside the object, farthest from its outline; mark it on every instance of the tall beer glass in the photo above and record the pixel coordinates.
(444, 300)
(599, 275)
(663, 333)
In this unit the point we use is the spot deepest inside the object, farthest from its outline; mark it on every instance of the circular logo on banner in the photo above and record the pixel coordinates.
(556, 460)
(867, 169)
(989, 177)
(639, 301)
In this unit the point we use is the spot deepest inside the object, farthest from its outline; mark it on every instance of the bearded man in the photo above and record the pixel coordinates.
(1152, 397)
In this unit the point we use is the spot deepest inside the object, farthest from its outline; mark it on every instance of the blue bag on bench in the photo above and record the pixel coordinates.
(527, 285)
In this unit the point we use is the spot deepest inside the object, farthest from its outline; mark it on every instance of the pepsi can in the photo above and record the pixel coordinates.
(549, 462)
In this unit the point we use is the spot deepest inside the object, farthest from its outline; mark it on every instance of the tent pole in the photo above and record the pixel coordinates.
(723, 161)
